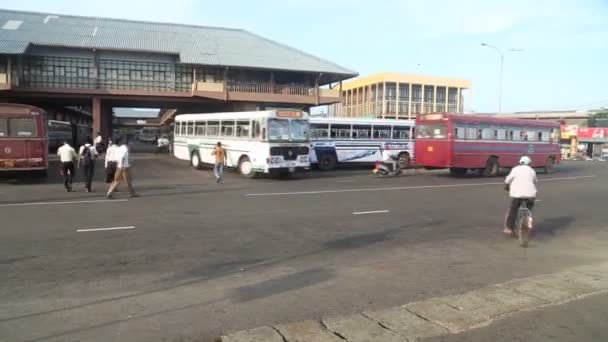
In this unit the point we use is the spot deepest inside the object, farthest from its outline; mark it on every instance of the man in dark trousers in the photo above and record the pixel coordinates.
(67, 155)
(86, 160)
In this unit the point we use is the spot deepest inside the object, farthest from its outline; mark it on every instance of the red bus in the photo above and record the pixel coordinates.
(482, 142)
(23, 138)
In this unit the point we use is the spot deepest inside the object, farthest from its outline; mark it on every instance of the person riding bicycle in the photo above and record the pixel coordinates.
(521, 183)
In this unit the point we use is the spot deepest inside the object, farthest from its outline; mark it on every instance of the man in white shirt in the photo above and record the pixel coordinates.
(111, 162)
(521, 182)
(67, 155)
(123, 169)
(86, 159)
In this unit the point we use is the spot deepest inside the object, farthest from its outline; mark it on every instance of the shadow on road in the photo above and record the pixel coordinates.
(547, 228)
(282, 284)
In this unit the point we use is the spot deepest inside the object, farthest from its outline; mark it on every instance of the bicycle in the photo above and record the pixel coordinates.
(523, 223)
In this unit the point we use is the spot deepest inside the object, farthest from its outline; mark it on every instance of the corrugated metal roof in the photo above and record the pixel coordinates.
(13, 47)
(194, 44)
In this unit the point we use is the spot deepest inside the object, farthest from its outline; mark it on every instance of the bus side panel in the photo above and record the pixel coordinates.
(180, 149)
(475, 154)
(433, 153)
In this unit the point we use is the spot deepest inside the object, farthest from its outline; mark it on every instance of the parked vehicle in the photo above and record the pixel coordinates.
(484, 143)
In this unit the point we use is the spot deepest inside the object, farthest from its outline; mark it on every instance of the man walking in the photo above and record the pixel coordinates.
(87, 155)
(67, 155)
(123, 169)
(220, 160)
(111, 162)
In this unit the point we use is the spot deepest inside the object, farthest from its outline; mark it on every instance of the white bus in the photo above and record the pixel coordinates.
(275, 141)
(350, 140)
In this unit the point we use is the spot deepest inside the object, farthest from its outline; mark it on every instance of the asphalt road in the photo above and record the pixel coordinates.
(193, 259)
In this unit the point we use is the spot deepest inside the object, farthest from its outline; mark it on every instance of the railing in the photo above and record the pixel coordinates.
(249, 87)
(37, 81)
(294, 90)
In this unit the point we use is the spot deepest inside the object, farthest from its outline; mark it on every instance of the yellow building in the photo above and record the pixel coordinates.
(393, 95)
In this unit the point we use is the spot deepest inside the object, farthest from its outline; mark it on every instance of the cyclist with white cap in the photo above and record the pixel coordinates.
(521, 183)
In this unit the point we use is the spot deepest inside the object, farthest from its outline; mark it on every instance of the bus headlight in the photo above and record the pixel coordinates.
(303, 159)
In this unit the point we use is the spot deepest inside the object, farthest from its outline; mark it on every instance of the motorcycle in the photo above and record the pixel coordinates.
(387, 168)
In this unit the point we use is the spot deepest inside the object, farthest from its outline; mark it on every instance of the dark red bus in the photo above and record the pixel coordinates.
(23, 138)
(483, 142)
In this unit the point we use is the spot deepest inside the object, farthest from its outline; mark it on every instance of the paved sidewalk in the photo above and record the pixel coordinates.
(442, 315)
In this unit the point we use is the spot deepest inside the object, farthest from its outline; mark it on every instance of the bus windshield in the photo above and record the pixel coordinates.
(431, 131)
(286, 130)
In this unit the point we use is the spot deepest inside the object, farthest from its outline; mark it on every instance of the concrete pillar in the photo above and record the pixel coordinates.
(447, 92)
(376, 102)
(458, 100)
(102, 118)
(383, 99)
(435, 99)
(422, 104)
(397, 99)
(409, 102)
(96, 114)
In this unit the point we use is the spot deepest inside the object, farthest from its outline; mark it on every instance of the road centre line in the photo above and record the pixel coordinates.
(370, 212)
(103, 229)
(58, 203)
(406, 187)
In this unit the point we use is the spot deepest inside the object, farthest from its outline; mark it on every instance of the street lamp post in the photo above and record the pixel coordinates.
(502, 62)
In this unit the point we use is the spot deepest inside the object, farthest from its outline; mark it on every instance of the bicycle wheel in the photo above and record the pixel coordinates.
(523, 230)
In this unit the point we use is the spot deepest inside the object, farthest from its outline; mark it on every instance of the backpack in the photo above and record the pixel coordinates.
(87, 156)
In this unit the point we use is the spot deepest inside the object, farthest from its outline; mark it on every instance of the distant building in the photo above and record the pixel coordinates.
(393, 95)
(567, 117)
(49, 59)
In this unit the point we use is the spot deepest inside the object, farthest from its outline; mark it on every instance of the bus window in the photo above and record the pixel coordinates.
(501, 134)
(488, 134)
(213, 128)
(382, 132)
(3, 128)
(545, 136)
(200, 128)
(471, 133)
(227, 128)
(190, 130)
(177, 128)
(319, 131)
(531, 136)
(242, 129)
(459, 133)
(340, 131)
(22, 127)
(362, 132)
(401, 133)
(434, 131)
(255, 129)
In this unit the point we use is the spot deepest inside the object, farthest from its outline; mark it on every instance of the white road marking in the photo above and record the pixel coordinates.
(406, 187)
(370, 212)
(345, 181)
(58, 203)
(102, 229)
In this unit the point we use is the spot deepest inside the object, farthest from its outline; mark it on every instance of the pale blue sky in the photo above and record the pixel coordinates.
(564, 64)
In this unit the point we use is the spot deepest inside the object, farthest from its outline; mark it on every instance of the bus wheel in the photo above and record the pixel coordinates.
(458, 171)
(327, 162)
(549, 163)
(246, 168)
(195, 160)
(491, 169)
(404, 159)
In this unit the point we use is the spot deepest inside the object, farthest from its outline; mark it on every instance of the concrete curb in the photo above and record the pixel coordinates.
(441, 315)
